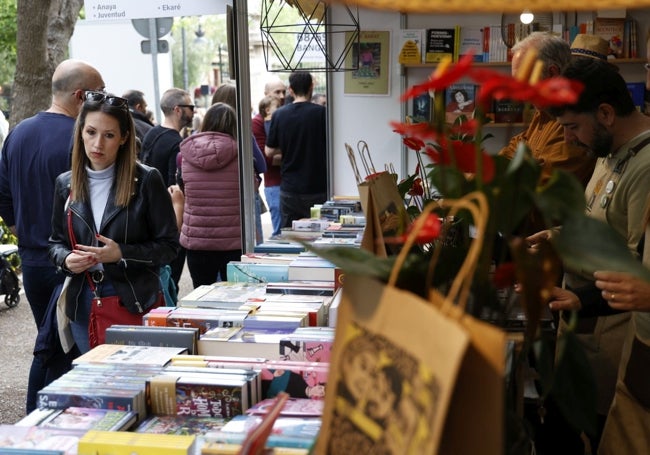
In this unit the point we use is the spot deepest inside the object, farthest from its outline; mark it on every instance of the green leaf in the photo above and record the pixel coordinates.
(562, 195)
(574, 388)
(587, 245)
(405, 185)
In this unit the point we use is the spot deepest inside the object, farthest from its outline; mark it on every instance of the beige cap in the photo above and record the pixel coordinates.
(590, 46)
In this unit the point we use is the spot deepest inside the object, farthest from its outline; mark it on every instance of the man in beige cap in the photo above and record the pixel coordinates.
(590, 46)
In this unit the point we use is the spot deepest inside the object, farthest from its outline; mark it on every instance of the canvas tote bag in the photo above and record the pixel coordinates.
(394, 374)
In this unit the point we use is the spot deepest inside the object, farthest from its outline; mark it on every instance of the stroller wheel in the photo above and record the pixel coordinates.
(12, 299)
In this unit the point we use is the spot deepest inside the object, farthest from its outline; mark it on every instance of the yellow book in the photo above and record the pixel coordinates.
(129, 443)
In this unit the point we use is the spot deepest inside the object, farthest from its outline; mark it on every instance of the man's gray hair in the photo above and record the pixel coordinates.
(551, 49)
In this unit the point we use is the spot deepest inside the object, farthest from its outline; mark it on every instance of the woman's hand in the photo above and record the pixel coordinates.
(623, 291)
(79, 261)
(108, 253)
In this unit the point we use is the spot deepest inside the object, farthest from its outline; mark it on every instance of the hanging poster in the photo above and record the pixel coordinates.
(373, 54)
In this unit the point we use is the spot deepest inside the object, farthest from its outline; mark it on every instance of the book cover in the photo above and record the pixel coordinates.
(37, 440)
(637, 92)
(506, 111)
(421, 109)
(142, 335)
(184, 425)
(460, 99)
(283, 321)
(302, 287)
(471, 41)
(268, 258)
(293, 432)
(206, 395)
(97, 398)
(441, 43)
(410, 46)
(310, 269)
(91, 419)
(612, 30)
(128, 443)
(245, 272)
(131, 355)
(223, 294)
(298, 379)
(293, 407)
(265, 344)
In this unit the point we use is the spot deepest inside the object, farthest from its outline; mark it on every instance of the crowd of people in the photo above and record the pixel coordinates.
(123, 202)
(121, 199)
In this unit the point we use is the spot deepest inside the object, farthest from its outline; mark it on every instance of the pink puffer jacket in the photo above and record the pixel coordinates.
(212, 216)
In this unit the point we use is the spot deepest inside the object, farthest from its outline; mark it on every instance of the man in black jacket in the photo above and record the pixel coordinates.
(138, 108)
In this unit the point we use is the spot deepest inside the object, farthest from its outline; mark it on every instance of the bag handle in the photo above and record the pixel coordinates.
(73, 242)
(476, 204)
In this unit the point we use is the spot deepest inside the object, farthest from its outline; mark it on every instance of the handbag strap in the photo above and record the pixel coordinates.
(476, 204)
(73, 242)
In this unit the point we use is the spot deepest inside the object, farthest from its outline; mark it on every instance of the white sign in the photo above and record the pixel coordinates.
(97, 10)
(310, 48)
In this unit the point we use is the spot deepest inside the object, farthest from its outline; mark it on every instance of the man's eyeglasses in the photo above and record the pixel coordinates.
(189, 106)
(101, 97)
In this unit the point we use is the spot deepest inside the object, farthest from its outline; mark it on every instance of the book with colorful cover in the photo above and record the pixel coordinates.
(460, 99)
(293, 407)
(34, 439)
(410, 49)
(292, 432)
(184, 425)
(246, 272)
(199, 395)
(297, 379)
(128, 443)
(91, 419)
(612, 30)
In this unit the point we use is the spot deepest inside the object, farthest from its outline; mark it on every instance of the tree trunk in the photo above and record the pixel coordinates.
(43, 34)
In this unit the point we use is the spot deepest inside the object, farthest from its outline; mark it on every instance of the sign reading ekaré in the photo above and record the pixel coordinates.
(98, 10)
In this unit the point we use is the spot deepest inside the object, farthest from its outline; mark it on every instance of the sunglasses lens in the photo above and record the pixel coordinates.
(95, 96)
(116, 101)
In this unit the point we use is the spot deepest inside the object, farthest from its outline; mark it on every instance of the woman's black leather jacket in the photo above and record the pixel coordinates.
(146, 232)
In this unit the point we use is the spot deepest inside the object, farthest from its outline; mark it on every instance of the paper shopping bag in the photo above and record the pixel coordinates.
(393, 367)
(384, 211)
(476, 418)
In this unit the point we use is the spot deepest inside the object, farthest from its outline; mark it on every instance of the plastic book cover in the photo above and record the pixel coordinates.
(91, 419)
(293, 407)
(36, 438)
(185, 425)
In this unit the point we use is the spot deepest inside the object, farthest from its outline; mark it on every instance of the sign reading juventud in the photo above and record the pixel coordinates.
(97, 10)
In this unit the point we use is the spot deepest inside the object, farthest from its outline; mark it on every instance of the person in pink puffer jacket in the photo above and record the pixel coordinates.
(211, 230)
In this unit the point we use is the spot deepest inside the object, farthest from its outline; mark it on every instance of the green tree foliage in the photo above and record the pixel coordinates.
(7, 49)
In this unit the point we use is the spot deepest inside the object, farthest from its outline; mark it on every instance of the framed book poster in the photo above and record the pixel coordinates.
(373, 54)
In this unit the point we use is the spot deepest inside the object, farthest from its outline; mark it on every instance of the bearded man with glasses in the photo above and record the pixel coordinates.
(160, 147)
(35, 152)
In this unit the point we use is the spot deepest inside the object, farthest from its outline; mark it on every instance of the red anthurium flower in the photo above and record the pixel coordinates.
(421, 131)
(444, 75)
(413, 143)
(417, 189)
(427, 234)
(504, 275)
(556, 91)
(464, 154)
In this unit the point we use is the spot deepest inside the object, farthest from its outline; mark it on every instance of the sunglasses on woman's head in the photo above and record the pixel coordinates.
(101, 97)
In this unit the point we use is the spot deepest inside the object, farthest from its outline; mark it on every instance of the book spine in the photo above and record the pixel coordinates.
(63, 399)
